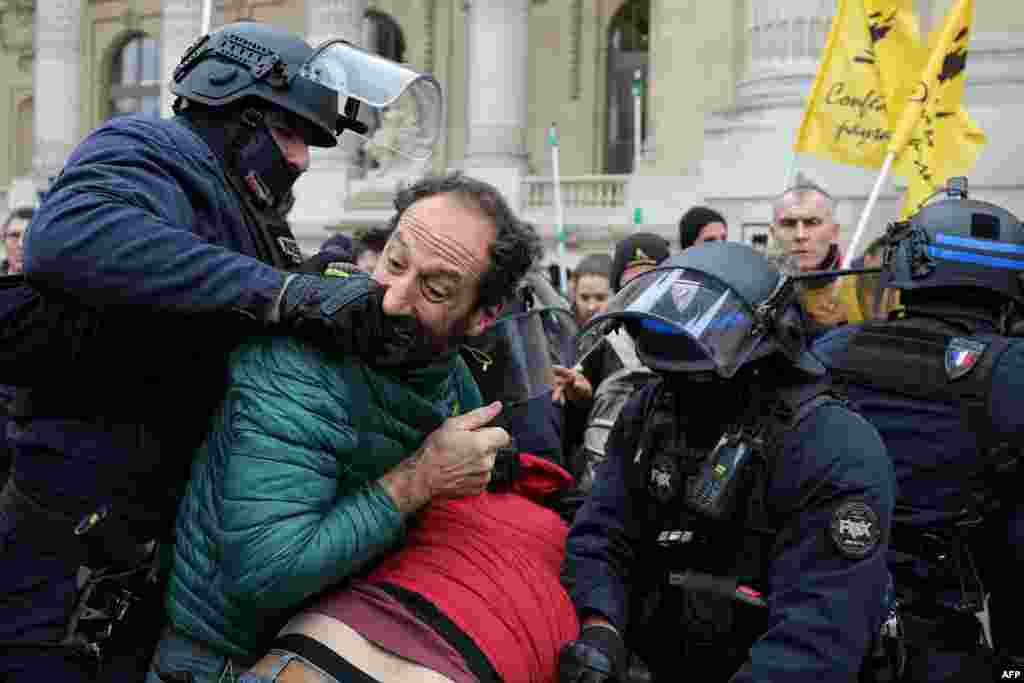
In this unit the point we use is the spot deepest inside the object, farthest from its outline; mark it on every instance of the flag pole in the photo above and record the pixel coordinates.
(563, 284)
(858, 234)
(207, 16)
(638, 120)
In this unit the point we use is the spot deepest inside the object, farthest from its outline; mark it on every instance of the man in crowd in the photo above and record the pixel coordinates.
(157, 249)
(637, 254)
(369, 245)
(943, 382)
(807, 236)
(366, 448)
(13, 234)
(473, 594)
(701, 224)
(729, 532)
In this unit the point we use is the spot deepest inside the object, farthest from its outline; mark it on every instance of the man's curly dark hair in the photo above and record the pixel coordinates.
(516, 246)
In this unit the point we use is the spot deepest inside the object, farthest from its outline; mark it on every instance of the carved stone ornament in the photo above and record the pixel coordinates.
(17, 24)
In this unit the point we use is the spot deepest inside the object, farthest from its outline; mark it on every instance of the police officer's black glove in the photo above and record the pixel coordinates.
(597, 656)
(344, 311)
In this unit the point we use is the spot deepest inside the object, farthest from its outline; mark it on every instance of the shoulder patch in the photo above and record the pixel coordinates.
(855, 529)
(962, 355)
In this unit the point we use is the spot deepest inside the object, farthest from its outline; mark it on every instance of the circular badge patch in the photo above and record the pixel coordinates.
(664, 479)
(855, 529)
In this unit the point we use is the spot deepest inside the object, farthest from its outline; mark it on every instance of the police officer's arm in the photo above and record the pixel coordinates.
(599, 549)
(826, 581)
(118, 228)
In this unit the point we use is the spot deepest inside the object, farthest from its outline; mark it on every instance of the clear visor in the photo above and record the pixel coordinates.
(688, 321)
(402, 109)
(512, 361)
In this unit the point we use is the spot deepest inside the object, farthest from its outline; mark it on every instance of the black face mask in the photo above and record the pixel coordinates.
(262, 167)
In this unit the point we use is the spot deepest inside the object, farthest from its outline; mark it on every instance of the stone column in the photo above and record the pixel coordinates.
(57, 79)
(497, 63)
(321, 192)
(181, 23)
(784, 39)
(497, 71)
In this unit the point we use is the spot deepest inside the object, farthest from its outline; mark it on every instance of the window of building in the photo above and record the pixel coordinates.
(628, 45)
(135, 78)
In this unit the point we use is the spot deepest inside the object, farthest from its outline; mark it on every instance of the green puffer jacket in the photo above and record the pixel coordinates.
(283, 499)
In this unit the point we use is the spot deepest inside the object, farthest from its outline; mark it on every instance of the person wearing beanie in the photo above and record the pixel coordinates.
(701, 224)
(638, 253)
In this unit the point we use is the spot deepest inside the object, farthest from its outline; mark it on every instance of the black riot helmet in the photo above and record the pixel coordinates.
(714, 307)
(957, 242)
(332, 88)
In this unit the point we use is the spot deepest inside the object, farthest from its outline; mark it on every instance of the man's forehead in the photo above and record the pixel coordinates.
(809, 203)
(444, 230)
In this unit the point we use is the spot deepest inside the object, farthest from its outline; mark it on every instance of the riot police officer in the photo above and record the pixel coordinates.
(738, 525)
(943, 381)
(159, 246)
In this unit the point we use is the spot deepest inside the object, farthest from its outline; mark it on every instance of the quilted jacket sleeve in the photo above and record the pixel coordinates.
(292, 521)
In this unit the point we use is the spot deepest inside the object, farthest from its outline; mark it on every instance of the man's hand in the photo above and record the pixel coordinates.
(455, 460)
(345, 312)
(597, 656)
(571, 385)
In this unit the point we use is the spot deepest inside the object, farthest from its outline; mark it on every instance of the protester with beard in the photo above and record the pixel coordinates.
(158, 248)
(473, 595)
(316, 459)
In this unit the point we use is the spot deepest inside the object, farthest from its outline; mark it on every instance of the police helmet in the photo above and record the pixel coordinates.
(957, 242)
(714, 307)
(332, 88)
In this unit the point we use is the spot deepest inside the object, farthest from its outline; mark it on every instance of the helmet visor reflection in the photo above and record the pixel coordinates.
(403, 109)
(688, 321)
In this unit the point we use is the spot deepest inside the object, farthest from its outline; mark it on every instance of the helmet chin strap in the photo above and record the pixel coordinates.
(261, 164)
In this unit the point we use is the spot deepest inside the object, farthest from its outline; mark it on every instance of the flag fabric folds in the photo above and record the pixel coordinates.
(848, 117)
(935, 139)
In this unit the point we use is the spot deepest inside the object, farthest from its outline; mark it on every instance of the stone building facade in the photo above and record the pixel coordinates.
(724, 86)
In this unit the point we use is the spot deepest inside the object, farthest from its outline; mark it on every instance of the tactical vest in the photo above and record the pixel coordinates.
(923, 359)
(701, 562)
(901, 357)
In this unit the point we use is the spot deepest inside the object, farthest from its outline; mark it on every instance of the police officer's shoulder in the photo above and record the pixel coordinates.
(836, 442)
(138, 137)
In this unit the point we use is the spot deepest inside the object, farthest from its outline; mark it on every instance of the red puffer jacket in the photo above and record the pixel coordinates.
(491, 563)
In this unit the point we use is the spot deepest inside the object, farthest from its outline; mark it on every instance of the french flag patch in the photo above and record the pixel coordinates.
(962, 355)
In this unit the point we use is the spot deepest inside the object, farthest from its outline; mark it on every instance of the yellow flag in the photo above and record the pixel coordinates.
(847, 117)
(935, 139)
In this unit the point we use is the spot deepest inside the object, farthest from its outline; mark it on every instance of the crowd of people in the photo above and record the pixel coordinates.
(410, 458)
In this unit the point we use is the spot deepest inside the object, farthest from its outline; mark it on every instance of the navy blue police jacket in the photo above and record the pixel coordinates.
(824, 607)
(937, 460)
(143, 228)
(934, 453)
